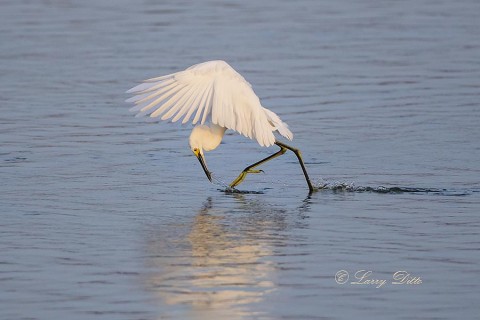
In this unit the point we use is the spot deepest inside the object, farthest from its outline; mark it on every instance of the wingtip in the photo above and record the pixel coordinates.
(131, 90)
(131, 99)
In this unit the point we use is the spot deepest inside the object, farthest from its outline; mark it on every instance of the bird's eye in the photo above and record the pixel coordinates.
(195, 150)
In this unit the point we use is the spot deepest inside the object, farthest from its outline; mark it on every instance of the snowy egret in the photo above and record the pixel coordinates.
(219, 96)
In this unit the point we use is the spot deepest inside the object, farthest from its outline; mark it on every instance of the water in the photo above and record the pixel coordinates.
(106, 216)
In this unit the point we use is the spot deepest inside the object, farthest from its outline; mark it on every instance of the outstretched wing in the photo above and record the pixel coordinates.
(210, 91)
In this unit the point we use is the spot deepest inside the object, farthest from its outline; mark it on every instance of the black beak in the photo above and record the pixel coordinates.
(204, 166)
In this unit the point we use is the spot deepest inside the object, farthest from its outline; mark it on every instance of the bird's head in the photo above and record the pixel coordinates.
(198, 152)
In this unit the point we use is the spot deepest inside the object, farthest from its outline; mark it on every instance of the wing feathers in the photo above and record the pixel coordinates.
(148, 87)
(186, 100)
(202, 91)
(169, 103)
(148, 96)
(172, 106)
(160, 78)
(203, 103)
(191, 103)
(208, 105)
(163, 97)
(214, 91)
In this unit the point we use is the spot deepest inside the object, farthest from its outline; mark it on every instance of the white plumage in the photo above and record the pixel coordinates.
(211, 92)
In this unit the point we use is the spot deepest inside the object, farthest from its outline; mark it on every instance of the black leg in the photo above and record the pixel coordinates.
(300, 160)
(283, 149)
(248, 169)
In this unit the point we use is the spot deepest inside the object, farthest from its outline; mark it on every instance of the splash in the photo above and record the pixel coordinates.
(224, 187)
(351, 187)
(322, 186)
(219, 182)
(229, 190)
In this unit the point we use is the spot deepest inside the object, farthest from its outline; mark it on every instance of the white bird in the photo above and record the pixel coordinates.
(214, 93)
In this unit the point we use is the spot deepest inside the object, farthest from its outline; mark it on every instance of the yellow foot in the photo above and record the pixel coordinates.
(242, 176)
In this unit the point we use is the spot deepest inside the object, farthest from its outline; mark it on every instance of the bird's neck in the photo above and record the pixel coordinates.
(217, 130)
(211, 135)
(216, 137)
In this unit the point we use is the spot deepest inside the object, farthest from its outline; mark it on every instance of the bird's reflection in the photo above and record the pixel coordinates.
(219, 265)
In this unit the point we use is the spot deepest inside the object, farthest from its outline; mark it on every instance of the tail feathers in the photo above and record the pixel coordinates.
(278, 124)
